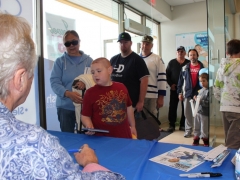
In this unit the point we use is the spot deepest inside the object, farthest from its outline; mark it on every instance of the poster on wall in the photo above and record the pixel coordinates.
(27, 111)
(56, 26)
(22, 8)
(195, 40)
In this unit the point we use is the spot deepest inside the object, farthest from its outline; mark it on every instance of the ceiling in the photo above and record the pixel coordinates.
(160, 12)
(144, 7)
(181, 2)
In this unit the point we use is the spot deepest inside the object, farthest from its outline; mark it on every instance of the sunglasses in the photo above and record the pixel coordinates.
(68, 43)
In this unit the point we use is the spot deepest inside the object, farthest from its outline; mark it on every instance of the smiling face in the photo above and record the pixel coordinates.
(72, 50)
(146, 48)
(198, 48)
(101, 73)
(193, 56)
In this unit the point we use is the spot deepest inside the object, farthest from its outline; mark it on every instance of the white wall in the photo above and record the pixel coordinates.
(186, 18)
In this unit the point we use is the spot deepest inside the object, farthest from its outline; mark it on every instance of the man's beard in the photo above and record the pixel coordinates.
(194, 60)
(124, 51)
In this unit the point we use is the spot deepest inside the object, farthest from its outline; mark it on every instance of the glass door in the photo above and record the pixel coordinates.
(111, 46)
(216, 51)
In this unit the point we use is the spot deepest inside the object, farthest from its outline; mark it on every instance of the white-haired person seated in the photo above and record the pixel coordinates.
(28, 151)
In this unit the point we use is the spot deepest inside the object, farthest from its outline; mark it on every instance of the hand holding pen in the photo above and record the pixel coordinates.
(85, 156)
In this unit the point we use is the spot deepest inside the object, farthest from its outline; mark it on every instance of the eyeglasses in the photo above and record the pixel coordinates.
(68, 43)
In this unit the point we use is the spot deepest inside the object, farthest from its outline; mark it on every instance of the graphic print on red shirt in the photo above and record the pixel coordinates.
(194, 74)
(112, 107)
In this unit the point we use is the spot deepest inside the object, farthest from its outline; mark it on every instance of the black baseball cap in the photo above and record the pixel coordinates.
(124, 36)
(181, 48)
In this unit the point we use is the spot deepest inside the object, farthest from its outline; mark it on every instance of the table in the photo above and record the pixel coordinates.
(130, 157)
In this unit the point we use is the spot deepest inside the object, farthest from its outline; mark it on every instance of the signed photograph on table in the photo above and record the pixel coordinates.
(181, 158)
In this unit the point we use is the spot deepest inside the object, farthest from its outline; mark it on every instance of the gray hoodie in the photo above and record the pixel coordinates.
(204, 102)
(227, 85)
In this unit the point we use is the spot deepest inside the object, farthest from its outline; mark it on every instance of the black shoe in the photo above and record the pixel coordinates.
(182, 128)
(171, 129)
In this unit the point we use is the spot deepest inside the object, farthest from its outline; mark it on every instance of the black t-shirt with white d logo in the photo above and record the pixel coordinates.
(129, 71)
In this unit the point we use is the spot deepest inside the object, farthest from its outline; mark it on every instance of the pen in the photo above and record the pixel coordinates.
(202, 174)
(220, 156)
(74, 150)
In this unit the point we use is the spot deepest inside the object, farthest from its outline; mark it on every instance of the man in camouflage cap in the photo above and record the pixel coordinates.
(156, 90)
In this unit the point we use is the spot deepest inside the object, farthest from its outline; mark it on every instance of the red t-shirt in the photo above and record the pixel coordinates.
(107, 107)
(194, 74)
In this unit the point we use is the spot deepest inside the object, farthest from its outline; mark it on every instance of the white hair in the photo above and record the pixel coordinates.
(17, 50)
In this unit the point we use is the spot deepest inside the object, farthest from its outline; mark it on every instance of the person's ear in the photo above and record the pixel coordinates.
(110, 70)
(18, 79)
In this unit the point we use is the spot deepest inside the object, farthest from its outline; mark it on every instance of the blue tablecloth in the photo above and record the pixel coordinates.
(131, 157)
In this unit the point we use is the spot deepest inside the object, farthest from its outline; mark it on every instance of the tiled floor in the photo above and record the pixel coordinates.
(177, 136)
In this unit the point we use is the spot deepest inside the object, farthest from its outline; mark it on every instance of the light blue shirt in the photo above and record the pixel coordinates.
(29, 152)
(64, 71)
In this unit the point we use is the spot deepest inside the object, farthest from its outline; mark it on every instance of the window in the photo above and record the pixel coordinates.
(154, 33)
(94, 20)
(131, 15)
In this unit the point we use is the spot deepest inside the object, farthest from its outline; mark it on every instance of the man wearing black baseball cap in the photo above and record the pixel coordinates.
(172, 72)
(181, 48)
(124, 36)
(130, 69)
(125, 44)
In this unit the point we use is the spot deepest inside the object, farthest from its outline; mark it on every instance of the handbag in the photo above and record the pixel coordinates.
(147, 128)
(154, 117)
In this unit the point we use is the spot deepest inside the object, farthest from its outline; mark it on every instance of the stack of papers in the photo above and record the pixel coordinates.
(217, 155)
(212, 154)
(220, 158)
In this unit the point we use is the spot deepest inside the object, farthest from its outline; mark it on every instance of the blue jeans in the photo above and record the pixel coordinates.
(67, 119)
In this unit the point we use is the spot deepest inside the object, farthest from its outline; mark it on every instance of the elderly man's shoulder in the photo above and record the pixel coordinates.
(32, 131)
(36, 128)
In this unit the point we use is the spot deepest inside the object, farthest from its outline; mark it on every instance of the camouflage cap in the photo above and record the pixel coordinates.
(147, 38)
